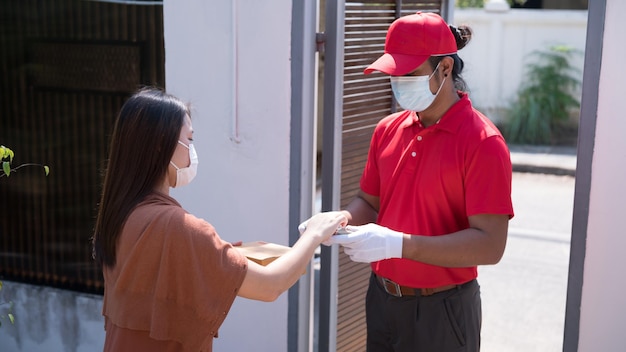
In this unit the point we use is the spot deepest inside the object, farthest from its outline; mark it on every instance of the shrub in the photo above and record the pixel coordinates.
(545, 99)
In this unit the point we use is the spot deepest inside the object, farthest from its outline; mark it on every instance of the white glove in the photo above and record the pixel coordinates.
(370, 243)
(302, 227)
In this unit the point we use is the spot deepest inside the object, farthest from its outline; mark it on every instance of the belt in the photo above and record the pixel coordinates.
(394, 289)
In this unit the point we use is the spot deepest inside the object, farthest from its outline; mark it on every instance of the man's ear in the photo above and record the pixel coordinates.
(447, 64)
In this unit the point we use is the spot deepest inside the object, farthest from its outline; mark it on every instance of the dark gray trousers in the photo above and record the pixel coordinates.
(447, 321)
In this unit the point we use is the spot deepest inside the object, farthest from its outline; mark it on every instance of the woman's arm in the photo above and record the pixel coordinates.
(266, 283)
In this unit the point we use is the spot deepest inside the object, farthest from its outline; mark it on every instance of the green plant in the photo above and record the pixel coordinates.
(545, 99)
(6, 155)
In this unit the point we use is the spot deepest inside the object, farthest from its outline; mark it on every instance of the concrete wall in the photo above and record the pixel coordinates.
(496, 58)
(48, 319)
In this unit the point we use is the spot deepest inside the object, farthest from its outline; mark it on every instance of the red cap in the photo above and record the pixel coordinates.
(411, 40)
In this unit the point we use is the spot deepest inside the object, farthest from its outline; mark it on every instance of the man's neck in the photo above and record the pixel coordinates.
(440, 106)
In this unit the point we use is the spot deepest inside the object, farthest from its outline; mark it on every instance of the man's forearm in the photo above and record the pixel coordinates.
(360, 212)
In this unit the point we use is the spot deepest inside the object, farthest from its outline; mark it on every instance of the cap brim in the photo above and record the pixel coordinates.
(396, 64)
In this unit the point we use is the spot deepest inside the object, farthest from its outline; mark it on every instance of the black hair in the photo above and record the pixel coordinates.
(144, 138)
(462, 35)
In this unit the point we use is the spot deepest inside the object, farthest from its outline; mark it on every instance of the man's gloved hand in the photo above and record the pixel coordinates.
(341, 230)
(302, 226)
(369, 243)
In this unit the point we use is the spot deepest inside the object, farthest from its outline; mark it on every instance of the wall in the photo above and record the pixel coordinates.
(602, 307)
(48, 319)
(496, 56)
(231, 60)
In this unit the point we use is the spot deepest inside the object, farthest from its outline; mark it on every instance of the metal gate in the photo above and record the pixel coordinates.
(353, 104)
(66, 67)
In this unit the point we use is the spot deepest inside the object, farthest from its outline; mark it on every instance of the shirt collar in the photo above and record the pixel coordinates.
(451, 119)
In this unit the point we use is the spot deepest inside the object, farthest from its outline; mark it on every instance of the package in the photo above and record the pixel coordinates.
(262, 252)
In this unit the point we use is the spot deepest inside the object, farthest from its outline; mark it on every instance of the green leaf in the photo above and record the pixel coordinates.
(11, 318)
(0, 285)
(6, 153)
(6, 167)
(46, 169)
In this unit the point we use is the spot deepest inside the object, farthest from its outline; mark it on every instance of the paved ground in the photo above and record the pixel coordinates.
(524, 295)
(544, 159)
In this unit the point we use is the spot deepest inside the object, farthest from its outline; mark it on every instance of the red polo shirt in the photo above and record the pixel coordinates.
(430, 180)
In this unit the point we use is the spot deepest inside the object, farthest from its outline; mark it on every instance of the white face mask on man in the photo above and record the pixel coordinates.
(413, 92)
(185, 175)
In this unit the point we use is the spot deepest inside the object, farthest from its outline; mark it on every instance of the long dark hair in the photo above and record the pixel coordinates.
(462, 34)
(142, 144)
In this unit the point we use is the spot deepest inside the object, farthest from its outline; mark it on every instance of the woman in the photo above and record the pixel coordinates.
(169, 278)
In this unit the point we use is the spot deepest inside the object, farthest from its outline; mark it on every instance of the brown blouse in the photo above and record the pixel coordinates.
(173, 283)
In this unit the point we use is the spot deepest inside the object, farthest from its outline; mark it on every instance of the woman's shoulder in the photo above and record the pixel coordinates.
(164, 215)
(156, 207)
(166, 223)
(158, 199)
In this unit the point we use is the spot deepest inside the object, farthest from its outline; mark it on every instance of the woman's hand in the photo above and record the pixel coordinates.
(323, 225)
(266, 283)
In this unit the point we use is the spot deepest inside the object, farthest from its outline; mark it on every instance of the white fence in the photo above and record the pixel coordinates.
(496, 58)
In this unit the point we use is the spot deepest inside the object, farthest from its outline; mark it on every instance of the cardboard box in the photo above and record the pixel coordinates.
(262, 252)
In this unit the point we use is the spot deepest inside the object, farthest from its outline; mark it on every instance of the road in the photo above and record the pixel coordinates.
(524, 295)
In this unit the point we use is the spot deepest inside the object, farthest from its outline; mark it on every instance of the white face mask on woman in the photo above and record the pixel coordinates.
(413, 92)
(184, 175)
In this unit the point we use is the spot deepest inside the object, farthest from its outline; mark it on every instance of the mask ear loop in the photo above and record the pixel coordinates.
(445, 75)
(434, 71)
(171, 162)
(441, 85)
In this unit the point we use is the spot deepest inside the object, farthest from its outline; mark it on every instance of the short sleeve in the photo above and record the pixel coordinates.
(174, 278)
(489, 178)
